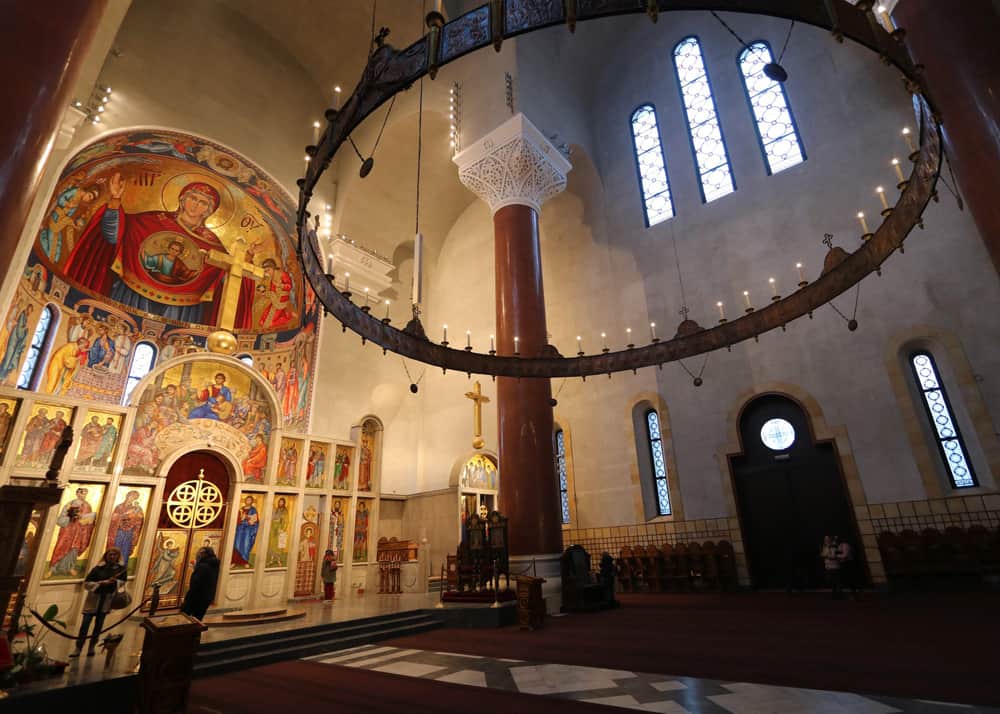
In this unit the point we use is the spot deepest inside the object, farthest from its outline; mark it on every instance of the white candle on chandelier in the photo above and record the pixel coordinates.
(347, 282)
(516, 340)
(437, 6)
(445, 334)
(908, 138)
(579, 344)
(652, 331)
(468, 338)
(604, 339)
(386, 309)
(864, 223)
(329, 264)
(336, 97)
(798, 267)
(774, 287)
(746, 296)
(315, 133)
(881, 194)
(899, 171)
(493, 347)
(307, 159)
(722, 310)
(366, 297)
(883, 13)
(628, 335)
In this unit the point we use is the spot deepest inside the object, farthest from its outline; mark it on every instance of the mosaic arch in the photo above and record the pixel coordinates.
(160, 237)
(201, 400)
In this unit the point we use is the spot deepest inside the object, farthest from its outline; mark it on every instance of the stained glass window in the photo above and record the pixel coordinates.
(653, 182)
(561, 469)
(777, 434)
(779, 139)
(714, 172)
(948, 438)
(33, 362)
(659, 463)
(143, 358)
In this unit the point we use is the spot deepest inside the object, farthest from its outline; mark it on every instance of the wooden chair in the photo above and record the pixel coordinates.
(727, 565)
(635, 569)
(624, 569)
(891, 548)
(915, 564)
(652, 568)
(710, 573)
(683, 566)
(580, 592)
(669, 564)
(696, 564)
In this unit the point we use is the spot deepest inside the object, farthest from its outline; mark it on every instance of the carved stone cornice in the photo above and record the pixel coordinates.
(513, 165)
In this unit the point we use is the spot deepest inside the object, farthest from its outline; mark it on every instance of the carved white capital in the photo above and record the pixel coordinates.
(513, 165)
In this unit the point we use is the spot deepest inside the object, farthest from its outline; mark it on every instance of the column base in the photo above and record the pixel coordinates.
(546, 565)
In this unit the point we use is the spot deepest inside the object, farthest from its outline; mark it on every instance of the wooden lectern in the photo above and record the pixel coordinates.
(167, 660)
(530, 603)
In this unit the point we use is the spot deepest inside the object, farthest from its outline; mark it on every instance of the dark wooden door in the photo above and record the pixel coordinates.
(790, 494)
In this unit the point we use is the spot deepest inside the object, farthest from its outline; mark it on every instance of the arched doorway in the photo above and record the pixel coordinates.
(478, 488)
(192, 515)
(790, 493)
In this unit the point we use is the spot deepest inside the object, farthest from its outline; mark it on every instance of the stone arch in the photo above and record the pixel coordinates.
(644, 491)
(456, 466)
(971, 410)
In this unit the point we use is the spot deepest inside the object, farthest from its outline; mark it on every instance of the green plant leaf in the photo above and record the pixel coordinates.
(50, 612)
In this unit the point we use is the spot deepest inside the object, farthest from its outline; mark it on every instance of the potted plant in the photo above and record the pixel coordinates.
(31, 660)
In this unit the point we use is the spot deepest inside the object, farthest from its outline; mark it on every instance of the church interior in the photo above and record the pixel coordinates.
(610, 353)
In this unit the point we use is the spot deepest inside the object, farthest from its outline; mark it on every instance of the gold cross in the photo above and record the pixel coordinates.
(237, 267)
(478, 400)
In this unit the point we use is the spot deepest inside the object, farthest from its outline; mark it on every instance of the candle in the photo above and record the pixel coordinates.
(604, 339)
(437, 6)
(899, 171)
(445, 334)
(864, 223)
(798, 267)
(746, 296)
(774, 287)
(347, 282)
(336, 97)
(366, 297)
(652, 331)
(908, 139)
(386, 309)
(329, 264)
(579, 344)
(493, 347)
(316, 134)
(307, 164)
(468, 339)
(516, 340)
(722, 310)
(886, 18)
(881, 194)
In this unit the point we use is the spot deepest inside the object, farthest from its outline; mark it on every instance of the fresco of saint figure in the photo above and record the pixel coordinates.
(77, 515)
(247, 525)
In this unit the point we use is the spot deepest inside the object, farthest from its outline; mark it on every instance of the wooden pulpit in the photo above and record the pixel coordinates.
(167, 661)
(530, 603)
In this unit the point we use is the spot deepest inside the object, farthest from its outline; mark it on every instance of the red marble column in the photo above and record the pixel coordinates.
(957, 43)
(42, 46)
(529, 492)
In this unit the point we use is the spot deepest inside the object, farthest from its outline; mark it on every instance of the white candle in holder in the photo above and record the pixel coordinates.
(493, 347)
(445, 334)
(722, 310)
(798, 267)
(652, 331)
(315, 133)
(468, 338)
(746, 297)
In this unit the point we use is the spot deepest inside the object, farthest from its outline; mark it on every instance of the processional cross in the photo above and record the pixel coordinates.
(237, 267)
(478, 400)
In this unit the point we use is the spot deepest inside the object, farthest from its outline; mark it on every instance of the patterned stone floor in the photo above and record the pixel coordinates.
(631, 690)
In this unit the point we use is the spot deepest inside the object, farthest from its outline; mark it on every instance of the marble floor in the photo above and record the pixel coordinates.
(630, 690)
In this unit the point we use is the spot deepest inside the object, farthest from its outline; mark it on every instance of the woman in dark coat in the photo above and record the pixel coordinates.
(203, 582)
(103, 581)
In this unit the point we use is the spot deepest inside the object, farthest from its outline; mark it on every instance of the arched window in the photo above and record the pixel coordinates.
(776, 131)
(560, 457)
(714, 171)
(36, 350)
(246, 359)
(653, 182)
(655, 441)
(951, 447)
(143, 359)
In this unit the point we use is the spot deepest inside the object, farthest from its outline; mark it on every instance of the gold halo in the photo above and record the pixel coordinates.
(171, 192)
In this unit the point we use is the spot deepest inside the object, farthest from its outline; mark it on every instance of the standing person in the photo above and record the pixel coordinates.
(204, 580)
(329, 575)
(103, 581)
(831, 563)
(848, 569)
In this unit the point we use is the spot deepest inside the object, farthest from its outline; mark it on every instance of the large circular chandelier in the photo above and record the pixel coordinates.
(390, 71)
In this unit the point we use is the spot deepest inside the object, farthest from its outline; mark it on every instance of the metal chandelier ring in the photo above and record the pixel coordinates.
(390, 71)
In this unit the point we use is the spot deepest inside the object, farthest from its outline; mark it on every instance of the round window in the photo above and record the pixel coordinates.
(777, 434)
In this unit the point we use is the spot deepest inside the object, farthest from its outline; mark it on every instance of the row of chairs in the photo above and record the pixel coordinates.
(677, 567)
(951, 556)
